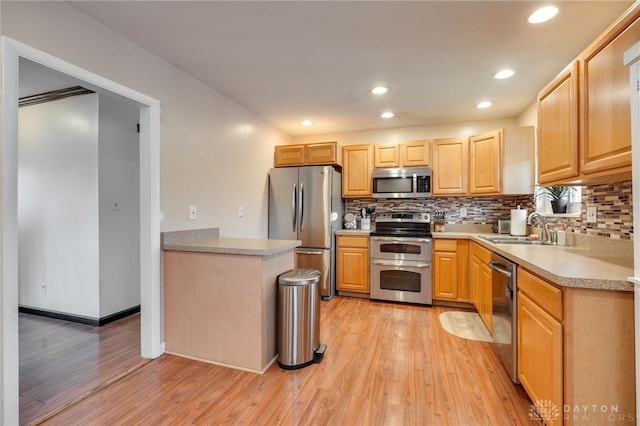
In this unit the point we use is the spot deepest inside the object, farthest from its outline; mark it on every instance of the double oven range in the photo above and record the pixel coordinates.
(401, 257)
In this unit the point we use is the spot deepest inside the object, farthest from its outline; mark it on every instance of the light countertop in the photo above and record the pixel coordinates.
(207, 241)
(567, 266)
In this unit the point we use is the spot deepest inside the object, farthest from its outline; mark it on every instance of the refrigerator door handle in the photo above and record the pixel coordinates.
(294, 199)
(301, 203)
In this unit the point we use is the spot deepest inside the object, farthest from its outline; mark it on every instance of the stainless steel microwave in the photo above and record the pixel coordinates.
(410, 182)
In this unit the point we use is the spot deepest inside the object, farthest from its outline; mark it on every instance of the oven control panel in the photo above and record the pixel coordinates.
(404, 217)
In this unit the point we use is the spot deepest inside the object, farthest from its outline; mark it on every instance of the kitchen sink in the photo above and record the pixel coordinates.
(509, 239)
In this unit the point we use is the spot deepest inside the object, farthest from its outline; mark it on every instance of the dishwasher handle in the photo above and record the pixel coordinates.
(499, 267)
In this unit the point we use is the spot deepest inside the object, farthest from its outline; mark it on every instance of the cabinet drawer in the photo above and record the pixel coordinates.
(544, 294)
(353, 241)
(445, 245)
(481, 253)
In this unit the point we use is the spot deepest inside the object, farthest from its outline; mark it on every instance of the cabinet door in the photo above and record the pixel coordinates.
(445, 275)
(451, 270)
(476, 283)
(414, 154)
(486, 303)
(356, 171)
(325, 153)
(558, 128)
(386, 155)
(605, 101)
(540, 367)
(485, 163)
(450, 164)
(464, 283)
(289, 155)
(353, 264)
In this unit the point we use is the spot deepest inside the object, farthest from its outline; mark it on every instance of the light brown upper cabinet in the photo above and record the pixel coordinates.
(584, 114)
(322, 153)
(606, 100)
(357, 169)
(477, 165)
(485, 163)
(558, 127)
(289, 155)
(414, 153)
(450, 164)
(405, 154)
(386, 155)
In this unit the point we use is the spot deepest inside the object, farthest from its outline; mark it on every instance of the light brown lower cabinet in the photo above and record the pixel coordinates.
(451, 270)
(576, 356)
(481, 284)
(540, 358)
(353, 263)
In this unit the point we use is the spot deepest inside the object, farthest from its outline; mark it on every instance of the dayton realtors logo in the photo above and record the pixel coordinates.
(544, 410)
(547, 411)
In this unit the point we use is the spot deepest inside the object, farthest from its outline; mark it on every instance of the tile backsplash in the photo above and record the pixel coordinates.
(613, 202)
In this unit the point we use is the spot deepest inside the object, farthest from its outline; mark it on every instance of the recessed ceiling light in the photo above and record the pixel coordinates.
(484, 104)
(306, 122)
(543, 14)
(380, 90)
(387, 114)
(502, 74)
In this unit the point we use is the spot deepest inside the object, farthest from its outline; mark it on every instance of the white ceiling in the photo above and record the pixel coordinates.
(318, 60)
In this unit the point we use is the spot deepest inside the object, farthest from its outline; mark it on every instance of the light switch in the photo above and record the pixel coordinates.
(240, 211)
(193, 212)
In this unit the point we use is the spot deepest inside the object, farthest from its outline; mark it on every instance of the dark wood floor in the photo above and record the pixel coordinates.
(61, 361)
(385, 364)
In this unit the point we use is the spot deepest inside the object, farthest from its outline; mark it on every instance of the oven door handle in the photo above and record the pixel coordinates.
(400, 240)
(400, 264)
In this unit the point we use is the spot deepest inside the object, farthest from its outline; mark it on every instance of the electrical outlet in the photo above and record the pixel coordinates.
(43, 287)
(240, 211)
(592, 214)
(193, 212)
(463, 212)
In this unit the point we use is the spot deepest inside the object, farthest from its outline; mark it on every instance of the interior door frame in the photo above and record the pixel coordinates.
(151, 313)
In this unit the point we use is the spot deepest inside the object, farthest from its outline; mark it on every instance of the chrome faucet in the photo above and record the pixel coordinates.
(545, 235)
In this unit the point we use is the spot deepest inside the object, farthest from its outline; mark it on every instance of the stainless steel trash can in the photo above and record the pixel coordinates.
(299, 319)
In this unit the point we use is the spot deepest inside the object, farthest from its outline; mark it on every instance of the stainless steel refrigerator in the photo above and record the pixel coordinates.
(305, 203)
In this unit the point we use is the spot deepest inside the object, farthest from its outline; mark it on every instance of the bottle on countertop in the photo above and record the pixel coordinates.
(561, 238)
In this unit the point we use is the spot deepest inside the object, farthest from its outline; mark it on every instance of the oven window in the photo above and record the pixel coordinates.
(400, 248)
(400, 280)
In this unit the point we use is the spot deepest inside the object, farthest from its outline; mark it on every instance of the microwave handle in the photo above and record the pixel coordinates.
(415, 183)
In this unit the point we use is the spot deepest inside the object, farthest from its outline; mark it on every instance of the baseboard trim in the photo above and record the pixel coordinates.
(95, 322)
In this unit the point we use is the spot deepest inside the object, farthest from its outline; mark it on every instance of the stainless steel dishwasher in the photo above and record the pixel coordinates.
(505, 326)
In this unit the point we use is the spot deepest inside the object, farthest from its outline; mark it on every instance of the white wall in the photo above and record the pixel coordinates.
(119, 205)
(58, 206)
(452, 130)
(215, 154)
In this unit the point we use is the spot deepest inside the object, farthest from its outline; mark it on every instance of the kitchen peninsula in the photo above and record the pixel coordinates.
(220, 297)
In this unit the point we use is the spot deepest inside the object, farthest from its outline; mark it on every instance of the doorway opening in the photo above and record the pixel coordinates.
(150, 290)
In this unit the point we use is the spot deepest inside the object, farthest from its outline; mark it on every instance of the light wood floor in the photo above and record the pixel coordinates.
(385, 364)
(60, 361)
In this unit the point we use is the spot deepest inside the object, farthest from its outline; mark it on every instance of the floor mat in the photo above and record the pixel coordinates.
(469, 325)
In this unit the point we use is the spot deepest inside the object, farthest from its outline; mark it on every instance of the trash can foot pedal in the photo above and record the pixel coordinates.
(318, 354)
